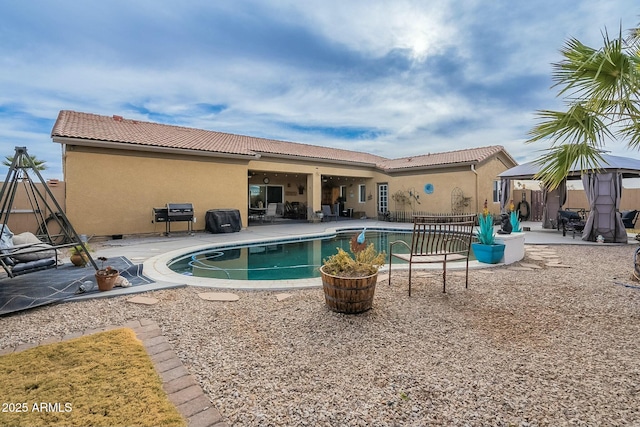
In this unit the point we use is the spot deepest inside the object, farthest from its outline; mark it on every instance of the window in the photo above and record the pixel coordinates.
(261, 195)
(362, 193)
(496, 191)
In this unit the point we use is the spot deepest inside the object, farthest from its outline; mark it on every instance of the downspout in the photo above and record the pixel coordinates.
(473, 169)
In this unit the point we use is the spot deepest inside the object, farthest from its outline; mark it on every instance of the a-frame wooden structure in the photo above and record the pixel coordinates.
(49, 214)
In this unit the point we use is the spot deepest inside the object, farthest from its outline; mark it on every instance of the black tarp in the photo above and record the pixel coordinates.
(223, 221)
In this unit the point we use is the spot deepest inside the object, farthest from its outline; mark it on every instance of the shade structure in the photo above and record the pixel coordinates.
(627, 166)
(603, 194)
(602, 185)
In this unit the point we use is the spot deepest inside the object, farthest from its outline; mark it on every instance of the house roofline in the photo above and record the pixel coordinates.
(149, 148)
(429, 167)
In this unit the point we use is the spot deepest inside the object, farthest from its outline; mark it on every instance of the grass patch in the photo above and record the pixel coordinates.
(104, 379)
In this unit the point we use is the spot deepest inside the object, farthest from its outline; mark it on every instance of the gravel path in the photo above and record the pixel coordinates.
(545, 346)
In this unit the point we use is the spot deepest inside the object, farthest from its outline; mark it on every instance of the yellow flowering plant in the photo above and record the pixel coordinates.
(364, 260)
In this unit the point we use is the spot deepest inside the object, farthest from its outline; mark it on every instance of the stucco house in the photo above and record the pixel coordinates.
(117, 170)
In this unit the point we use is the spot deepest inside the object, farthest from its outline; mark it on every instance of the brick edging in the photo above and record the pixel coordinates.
(181, 387)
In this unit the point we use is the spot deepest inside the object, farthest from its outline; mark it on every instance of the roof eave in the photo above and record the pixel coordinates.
(149, 148)
(314, 159)
(430, 167)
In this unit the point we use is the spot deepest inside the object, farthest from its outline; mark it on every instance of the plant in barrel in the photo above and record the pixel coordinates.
(349, 278)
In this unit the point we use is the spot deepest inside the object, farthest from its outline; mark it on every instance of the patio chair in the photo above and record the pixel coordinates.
(569, 220)
(629, 218)
(436, 239)
(271, 211)
(326, 212)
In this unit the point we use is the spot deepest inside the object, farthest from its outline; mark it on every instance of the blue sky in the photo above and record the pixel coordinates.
(393, 78)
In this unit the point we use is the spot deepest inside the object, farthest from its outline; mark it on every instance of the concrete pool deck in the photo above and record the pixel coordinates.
(155, 252)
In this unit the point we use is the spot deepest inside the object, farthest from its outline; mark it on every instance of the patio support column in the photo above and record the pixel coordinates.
(314, 185)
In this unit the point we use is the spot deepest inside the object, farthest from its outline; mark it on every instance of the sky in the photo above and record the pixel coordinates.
(392, 78)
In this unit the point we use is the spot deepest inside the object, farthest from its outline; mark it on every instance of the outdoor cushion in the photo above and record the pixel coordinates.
(6, 239)
(40, 264)
(31, 252)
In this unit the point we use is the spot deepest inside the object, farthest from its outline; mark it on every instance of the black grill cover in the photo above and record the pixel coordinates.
(223, 221)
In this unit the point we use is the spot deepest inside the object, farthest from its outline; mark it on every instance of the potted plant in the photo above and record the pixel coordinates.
(79, 256)
(106, 277)
(515, 220)
(349, 279)
(486, 249)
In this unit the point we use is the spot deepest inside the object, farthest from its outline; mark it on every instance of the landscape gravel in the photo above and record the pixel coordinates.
(532, 344)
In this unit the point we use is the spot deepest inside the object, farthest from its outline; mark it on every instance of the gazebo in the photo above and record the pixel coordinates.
(603, 188)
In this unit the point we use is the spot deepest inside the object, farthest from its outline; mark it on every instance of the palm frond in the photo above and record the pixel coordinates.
(601, 88)
(558, 161)
(576, 124)
(599, 78)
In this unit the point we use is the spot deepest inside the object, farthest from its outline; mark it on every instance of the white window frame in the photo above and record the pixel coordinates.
(497, 189)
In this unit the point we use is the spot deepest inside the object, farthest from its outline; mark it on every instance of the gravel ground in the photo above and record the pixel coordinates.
(522, 346)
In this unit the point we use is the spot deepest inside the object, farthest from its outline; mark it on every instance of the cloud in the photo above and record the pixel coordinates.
(391, 78)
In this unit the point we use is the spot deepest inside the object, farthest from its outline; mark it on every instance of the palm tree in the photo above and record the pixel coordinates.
(40, 164)
(601, 89)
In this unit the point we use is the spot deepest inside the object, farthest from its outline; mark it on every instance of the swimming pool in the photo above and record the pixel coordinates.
(298, 258)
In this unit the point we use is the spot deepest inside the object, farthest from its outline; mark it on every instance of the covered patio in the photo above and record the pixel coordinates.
(299, 195)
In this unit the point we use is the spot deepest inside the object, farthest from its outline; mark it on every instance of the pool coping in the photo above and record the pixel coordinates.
(156, 268)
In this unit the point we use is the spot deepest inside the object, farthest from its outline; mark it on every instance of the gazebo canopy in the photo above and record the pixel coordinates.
(603, 188)
(629, 167)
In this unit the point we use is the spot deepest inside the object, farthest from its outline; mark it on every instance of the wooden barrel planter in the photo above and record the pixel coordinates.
(350, 295)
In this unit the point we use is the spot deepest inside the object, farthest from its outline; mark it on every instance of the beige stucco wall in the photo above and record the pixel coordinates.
(443, 184)
(112, 191)
(474, 183)
(488, 172)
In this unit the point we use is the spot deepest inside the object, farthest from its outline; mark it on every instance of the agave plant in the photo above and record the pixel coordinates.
(514, 218)
(515, 222)
(486, 236)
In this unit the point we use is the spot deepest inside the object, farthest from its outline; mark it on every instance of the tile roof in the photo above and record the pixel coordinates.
(467, 156)
(93, 127)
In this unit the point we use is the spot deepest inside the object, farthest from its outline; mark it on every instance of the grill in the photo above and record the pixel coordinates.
(174, 212)
(160, 215)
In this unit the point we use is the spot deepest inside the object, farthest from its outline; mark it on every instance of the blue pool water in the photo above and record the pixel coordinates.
(299, 259)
